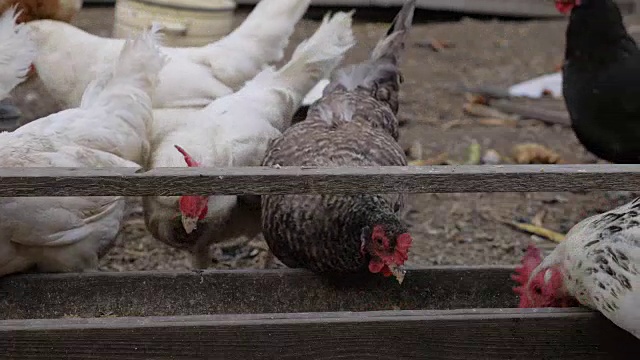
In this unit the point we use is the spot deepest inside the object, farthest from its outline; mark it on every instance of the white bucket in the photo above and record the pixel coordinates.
(186, 22)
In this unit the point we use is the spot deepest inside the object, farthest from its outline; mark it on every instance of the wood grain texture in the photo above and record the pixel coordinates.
(294, 180)
(458, 334)
(41, 296)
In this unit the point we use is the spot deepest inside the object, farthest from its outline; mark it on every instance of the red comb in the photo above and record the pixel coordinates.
(530, 261)
(565, 6)
(403, 243)
(187, 158)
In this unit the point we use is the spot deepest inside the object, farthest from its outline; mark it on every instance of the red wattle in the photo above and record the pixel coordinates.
(203, 215)
(375, 266)
(386, 272)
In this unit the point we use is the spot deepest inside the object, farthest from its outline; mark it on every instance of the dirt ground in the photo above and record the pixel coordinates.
(458, 229)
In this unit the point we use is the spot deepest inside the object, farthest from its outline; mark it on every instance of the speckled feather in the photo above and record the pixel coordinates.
(353, 124)
(600, 260)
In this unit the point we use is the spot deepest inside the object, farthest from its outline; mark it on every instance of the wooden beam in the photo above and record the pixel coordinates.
(40, 296)
(294, 180)
(457, 334)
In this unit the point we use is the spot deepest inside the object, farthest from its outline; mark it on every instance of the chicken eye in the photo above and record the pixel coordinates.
(537, 290)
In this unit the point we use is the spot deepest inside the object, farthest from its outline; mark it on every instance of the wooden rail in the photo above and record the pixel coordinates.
(132, 316)
(261, 181)
(472, 334)
(437, 313)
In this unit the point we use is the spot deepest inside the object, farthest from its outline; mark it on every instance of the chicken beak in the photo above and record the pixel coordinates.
(189, 223)
(398, 272)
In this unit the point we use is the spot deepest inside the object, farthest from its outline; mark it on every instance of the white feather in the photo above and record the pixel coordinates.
(69, 58)
(109, 130)
(17, 52)
(115, 114)
(315, 93)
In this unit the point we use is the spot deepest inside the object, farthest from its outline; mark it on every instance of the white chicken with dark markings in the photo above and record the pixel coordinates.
(597, 265)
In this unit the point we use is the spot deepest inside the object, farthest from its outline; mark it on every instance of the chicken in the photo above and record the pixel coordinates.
(600, 77)
(234, 131)
(598, 265)
(61, 234)
(18, 52)
(353, 124)
(70, 58)
(61, 10)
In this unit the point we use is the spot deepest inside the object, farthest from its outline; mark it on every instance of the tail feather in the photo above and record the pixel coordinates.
(259, 41)
(381, 70)
(391, 45)
(315, 58)
(125, 96)
(135, 74)
(17, 52)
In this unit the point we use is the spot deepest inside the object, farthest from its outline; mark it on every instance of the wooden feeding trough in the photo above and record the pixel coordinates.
(437, 313)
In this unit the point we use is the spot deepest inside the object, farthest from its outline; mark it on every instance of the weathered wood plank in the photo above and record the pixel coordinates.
(40, 296)
(469, 334)
(291, 180)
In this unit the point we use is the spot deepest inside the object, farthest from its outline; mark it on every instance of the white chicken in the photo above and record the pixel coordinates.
(597, 265)
(108, 130)
(70, 58)
(234, 131)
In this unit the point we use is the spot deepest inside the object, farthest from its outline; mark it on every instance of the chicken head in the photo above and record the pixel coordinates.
(192, 208)
(388, 253)
(540, 287)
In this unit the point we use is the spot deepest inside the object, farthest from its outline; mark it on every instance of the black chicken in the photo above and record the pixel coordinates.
(601, 78)
(353, 124)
